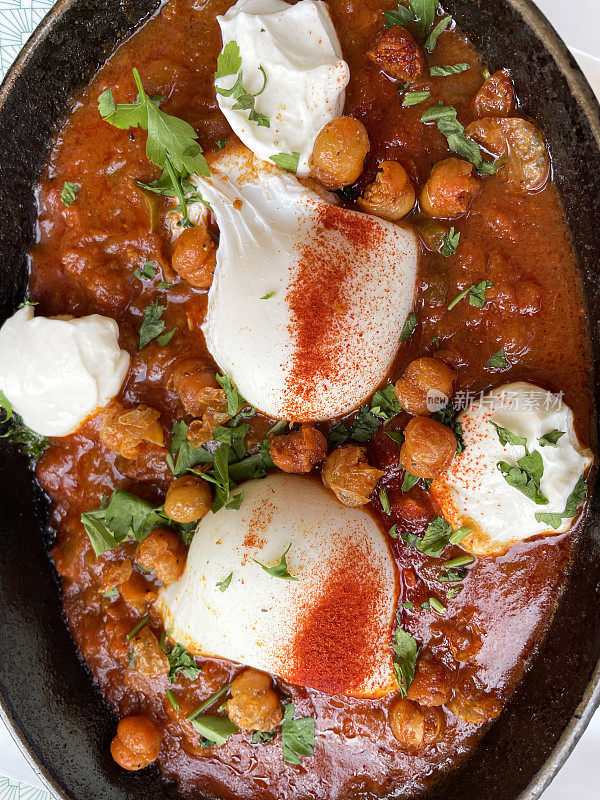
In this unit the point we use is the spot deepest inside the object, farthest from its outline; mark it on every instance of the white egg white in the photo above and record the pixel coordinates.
(330, 629)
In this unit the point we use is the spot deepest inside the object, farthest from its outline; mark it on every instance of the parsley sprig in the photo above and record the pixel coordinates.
(445, 117)
(171, 143)
(229, 63)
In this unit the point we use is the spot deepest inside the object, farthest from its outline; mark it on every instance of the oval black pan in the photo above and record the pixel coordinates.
(46, 692)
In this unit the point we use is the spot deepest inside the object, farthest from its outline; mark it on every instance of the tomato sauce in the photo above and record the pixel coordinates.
(83, 262)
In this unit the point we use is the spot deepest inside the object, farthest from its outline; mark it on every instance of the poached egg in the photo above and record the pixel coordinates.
(308, 299)
(329, 629)
(57, 371)
(475, 493)
(298, 49)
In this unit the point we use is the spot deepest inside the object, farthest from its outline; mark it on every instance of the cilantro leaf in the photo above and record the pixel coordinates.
(69, 192)
(216, 730)
(409, 481)
(447, 123)
(287, 161)
(459, 534)
(181, 661)
(508, 437)
(414, 98)
(526, 476)
(498, 361)
(451, 69)
(298, 735)
(399, 16)
(244, 100)
(229, 61)
(383, 407)
(450, 245)
(447, 416)
(152, 324)
(268, 295)
(435, 33)
(279, 570)
(551, 438)
(424, 12)
(30, 443)
(396, 436)
(406, 652)
(148, 271)
(436, 537)
(574, 500)
(477, 293)
(263, 737)
(234, 401)
(408, 327)
(219, 145)
(385, 501)
(224, 584)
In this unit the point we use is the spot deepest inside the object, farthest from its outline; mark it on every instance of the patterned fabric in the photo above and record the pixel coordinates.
(13, 790)
(18, 19)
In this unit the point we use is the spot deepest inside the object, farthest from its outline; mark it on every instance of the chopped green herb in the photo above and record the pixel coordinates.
(459, 534)
(209, 702)
(551, 438)
(29, 442)
(224, 584)
(172, 699)
(236, 502)
(219, 145)
(181, 661)
(452, 575)
(451, 69)
(451, 240)
(408, 481)
(137, 628)
(28, 302)
(508, 437)
(147, 271)
(69, 192)
(215, 730)
(426, 606)
(279, 570)
(396, 436)
(437, 605)
(111, 592)
(287, 161)
(447, 123)
(385, 501)
(263, 737)
(436, 537)
(406, 651)
(152, 324)
(383, 407)
(459, 561)
(393, 532)
(229, 63)
(165, 338)
(234, 401)
(171, 142)
(497, 361)
(574, 500)
(477, 293)
(298, 735)
(431, 40)
(453, 592)
(162, 286)
(407, 605)
(447, 416)
(414, 98)
(268, 295)
(399, 16)
(436, 342)
(526, 476)
(408, 327)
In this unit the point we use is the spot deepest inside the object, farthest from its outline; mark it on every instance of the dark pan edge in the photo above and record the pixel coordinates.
(587, 101)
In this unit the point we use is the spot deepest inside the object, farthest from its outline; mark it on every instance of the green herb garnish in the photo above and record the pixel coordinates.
(450, 245)
(287, 161)
(229, 63)
(451, 69)
(298, 735)
(148, 271)
(574, 500)
(551, 438)
(508, 437)
(279, 570)
(414, 98)
(181, 661)
(408, 327)
(526, 476)
(458, 142)
(224, 584)
(69, 192)
(498, 361)
(385, 501)
(406, 651)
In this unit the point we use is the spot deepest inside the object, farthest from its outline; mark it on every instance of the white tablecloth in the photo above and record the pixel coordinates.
(578, 22)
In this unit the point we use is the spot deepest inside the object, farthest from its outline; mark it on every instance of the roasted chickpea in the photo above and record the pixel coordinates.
(339, 152)
(125, 430)
(194, 257)
(471, 703)
(496, 97)
(254, 705)
(137, 593)
(188, 498)
(298, 451)
(398, 55)
(137, 743)
(424, 385)
(163, 552)
(148, 657)
(391, 195)
(450, 189)
(189, 379)
(432, 682)
(428, 448)
(415, 726)
(349, 476)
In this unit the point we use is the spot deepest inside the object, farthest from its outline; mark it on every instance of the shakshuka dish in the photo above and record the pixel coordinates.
(303, 367)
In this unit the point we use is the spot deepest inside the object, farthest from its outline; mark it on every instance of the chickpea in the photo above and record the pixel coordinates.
(189, 379)
(194, 257)
(125, 430)
(349, 476)
(496, 97)
(428, 448)
(425, 379)
(115, 574)
(432, 682)
(298, 451)
(137, 743)
(391, 195)
(397, 54)
(148, 657)
(471, 703)
(339, 152)
(162, 551)
(254, 705)
(188, 498)
(137, 593)
(415, 726)
(450, 189)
